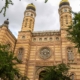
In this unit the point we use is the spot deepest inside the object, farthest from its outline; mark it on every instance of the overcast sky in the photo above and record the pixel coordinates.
(47, 14)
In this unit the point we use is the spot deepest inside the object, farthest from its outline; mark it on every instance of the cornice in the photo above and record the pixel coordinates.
(46, 33)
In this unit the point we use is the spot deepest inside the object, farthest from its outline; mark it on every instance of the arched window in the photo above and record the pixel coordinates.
(72, 76)
(70, 54)
(61, 21)
(57, 38)
(66, 19)
(23, 37)
(41, 75)
(20, 53)
(26, 22)
(50, 38)
(40, 39)
(31, 14)
(34, 39)
(45, 39)
(30, 23)
(8, 46)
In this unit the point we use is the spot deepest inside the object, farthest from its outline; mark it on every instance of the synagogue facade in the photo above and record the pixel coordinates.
(42, 48)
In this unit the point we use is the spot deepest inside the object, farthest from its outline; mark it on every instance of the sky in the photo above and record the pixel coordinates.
(47, 17)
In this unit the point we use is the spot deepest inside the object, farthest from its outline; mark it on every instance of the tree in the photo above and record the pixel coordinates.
(6, 5)
(74, 31)
(58, 72)
(8, 69)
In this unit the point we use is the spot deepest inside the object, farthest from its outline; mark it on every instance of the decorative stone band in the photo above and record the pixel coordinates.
(46, 33)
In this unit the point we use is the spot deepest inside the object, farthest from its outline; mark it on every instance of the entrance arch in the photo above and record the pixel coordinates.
(39, 71)
(41, 74)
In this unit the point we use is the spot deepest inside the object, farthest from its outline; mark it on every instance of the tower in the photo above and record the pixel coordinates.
(65, 20)
(23, 44)
(65, 17)
(29, 18)
(65, 14)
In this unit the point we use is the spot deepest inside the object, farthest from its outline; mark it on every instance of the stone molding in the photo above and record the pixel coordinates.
(46, 33)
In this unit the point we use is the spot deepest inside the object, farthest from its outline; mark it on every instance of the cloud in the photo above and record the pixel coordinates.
(47, 14)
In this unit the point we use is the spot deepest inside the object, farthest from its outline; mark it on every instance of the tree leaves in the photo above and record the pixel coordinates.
(74, 31)
(8, 69)
(58, 72)
(6, 5)
(46, 1)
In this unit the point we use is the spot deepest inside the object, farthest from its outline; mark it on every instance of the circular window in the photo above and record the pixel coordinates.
(45, 53)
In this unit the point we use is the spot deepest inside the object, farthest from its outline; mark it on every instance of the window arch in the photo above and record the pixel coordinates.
(8, 46)
(72, 76)
(30, 23)
(40, 74)
(40, 39)
(66, 19)
(26, 22)
(20, 53)
(70, 54)
(61, 21)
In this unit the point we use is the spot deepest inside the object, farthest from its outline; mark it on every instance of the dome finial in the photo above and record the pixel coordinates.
(6, 21)
(64, 2)
(31, 6)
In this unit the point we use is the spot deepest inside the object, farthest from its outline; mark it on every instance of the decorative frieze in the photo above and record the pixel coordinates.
(46, 33)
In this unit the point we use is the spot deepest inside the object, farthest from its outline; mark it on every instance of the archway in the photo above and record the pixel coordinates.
(41, 74)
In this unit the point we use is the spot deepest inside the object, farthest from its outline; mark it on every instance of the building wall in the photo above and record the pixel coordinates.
(6, 37)
(31, 43)
(58, 55)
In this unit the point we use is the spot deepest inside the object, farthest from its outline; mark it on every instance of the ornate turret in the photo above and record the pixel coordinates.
(64, 13)
(29, 18)
(31, 6)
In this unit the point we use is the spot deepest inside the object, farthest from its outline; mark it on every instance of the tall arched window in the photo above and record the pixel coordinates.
(66, 17)
(72, 76)
(26, 22)
(30, 23)
(70, 54)
(61, 21)
(8, 46)
(20, 53)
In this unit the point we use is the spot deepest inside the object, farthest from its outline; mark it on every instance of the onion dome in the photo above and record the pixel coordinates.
(31, 6)
(6, 22)
(64, 2)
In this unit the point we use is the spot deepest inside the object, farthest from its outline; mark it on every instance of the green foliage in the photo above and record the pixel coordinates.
(74, 31)
(46, 1)
(58, 72)
(6, 5)
(8, 69)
